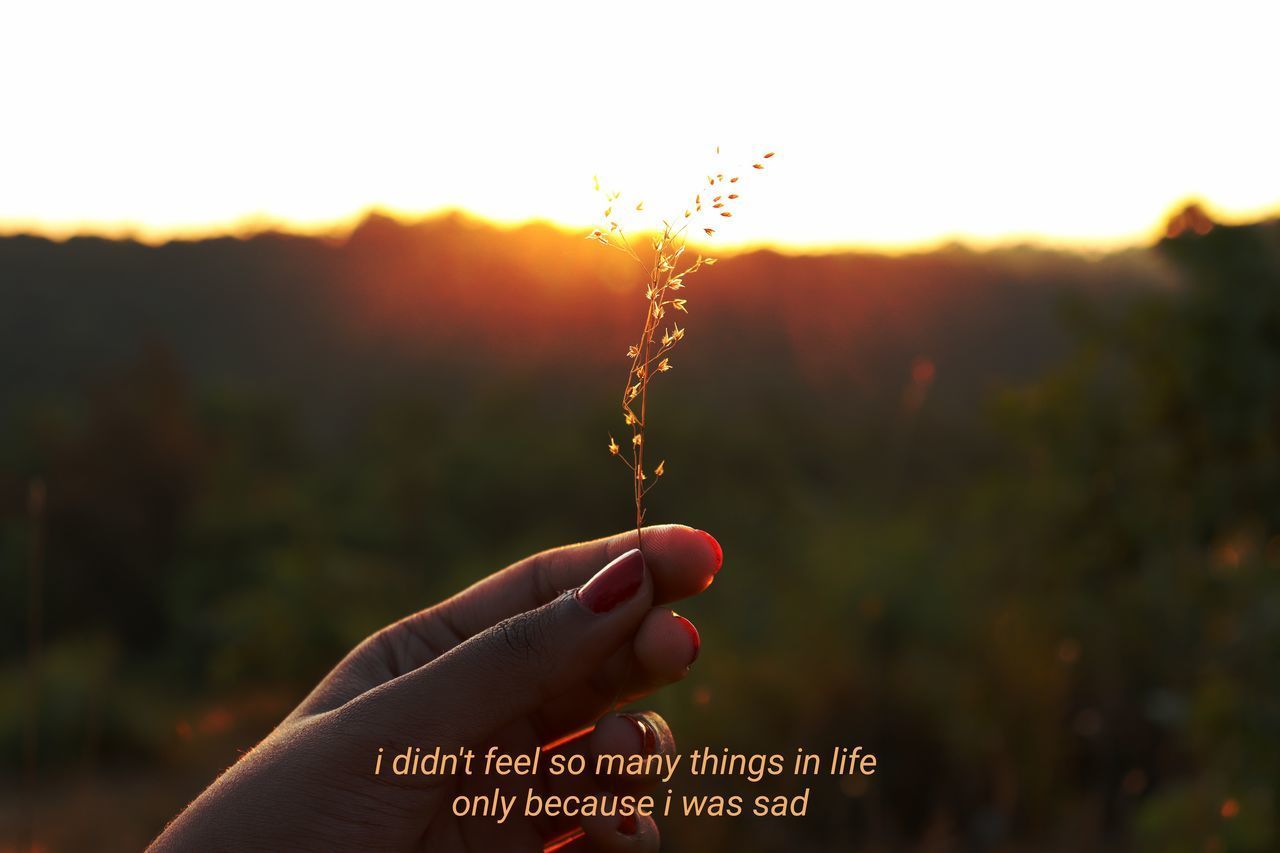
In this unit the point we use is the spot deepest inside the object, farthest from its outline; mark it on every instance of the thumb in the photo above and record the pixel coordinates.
(509, 670)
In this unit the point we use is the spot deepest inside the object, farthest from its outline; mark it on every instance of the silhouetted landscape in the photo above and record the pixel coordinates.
(1011, 519)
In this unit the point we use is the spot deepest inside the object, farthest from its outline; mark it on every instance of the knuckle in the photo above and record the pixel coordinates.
(525, 636)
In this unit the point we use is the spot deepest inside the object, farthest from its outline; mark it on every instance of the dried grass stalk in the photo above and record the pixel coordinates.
(668, 272)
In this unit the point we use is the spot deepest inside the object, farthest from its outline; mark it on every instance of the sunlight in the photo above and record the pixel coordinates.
(897, 125)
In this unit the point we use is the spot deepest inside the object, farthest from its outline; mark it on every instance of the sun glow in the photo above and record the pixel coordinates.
(896, 124)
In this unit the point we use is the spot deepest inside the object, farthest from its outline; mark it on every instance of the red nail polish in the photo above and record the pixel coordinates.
(693, 635)
(629, 825)
(648, 737)
(715, 546)
(615, 583)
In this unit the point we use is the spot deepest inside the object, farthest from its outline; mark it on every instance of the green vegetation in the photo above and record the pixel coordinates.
(1011, 521)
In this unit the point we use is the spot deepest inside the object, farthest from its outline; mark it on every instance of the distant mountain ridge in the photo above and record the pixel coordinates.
(331, 317)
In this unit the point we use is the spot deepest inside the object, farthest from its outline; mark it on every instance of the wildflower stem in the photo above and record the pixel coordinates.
(648, 354)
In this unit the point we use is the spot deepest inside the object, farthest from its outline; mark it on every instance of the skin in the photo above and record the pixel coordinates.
(516, 661)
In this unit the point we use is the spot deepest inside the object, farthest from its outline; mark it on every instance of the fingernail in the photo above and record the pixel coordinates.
(628, 825)
(715, 546)
(648, 737)
(693, 635)
(615, 583)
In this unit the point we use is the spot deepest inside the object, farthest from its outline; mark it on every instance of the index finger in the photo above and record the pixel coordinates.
(682, 561)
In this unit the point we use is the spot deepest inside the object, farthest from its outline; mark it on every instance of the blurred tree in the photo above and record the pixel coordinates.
(1146, 522)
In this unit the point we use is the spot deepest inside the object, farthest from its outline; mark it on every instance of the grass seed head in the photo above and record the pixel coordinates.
(666, 274)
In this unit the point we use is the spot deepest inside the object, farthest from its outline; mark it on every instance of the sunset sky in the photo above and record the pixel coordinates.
(896, 124)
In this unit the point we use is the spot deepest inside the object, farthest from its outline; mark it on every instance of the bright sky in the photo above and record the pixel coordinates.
(895, 123)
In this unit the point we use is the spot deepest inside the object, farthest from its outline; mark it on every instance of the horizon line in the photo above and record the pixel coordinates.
(341, 229)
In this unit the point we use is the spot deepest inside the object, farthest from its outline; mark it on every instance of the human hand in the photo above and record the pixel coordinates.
(529, 657)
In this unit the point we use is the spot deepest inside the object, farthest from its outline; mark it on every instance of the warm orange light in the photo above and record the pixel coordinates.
(894, 126)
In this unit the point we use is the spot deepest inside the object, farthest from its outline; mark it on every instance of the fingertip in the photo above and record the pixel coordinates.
(691, 631)
(666, 645)
(632, 733)
(683, 559)
(716, 550)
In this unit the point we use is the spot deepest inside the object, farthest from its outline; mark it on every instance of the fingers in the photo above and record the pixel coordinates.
(666, 645)
(511, 669)
(633, 736)
(641, 733)
(683, 561)
(630, 737)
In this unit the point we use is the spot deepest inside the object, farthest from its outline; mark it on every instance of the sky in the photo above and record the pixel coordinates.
(896, 125)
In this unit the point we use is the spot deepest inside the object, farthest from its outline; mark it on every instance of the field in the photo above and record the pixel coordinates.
(1010, 520)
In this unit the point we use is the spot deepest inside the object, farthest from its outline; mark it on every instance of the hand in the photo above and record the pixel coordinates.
(528, 657)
